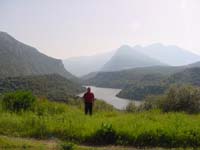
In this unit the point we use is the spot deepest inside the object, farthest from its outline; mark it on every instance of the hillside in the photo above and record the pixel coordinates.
(188, 76)
(120, 79)
(139, 82)
(193, 65)
(170, 54)
(53, 87)
(127, 57)
(17, 59)
(81, 66)
(140, 90)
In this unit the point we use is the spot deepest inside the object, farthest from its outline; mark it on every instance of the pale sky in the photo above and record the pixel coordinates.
(66, 28)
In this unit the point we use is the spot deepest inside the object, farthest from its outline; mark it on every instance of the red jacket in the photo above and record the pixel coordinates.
(88, 97)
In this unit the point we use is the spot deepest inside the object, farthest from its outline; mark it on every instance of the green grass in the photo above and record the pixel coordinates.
(13, 143)
(67, 122)
(19, 144)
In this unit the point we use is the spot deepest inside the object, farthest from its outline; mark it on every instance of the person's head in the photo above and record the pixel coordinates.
(88, 89)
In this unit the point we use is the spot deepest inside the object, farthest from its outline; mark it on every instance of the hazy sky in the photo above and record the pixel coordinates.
(65, 28)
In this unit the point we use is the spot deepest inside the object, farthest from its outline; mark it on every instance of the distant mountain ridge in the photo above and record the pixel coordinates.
(127, 57)
(170, 54)
(18, 59)
(83, 65)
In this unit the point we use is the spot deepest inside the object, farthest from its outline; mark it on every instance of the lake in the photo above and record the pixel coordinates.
(109, 95)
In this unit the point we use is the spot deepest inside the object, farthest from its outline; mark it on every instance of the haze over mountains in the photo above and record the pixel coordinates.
(80, 66)
(17, 59)
(127, 57)
(170, 54)
(138, 71)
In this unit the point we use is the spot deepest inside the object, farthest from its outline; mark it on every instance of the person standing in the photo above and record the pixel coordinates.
(89, 101)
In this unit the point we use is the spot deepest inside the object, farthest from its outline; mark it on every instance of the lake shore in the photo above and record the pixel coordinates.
(109, 95)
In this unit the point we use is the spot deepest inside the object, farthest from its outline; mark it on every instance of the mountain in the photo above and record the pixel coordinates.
(83, 65)
(152, 85)
(120, 79)
(89, 76)
(136, 83)
(53, 86)
(127, 57)
(139, 91)
(18, 59)
(171, 55)
(194, 65)
(187, 76)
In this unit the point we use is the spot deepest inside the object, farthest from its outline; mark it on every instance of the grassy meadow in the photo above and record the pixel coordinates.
(66, 122)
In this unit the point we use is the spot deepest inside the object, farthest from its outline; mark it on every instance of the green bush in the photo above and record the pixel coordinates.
(178, 98)
(105, 135)
(152, 102)
(67, 146)
(182, 98)
(131, 107)
(18, 101)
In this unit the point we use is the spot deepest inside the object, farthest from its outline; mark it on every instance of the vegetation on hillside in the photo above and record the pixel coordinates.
(155, 84)
(187, 76)
(119, 79)
(139, 92)
(181, 98)
(53, 87)
(137, 83)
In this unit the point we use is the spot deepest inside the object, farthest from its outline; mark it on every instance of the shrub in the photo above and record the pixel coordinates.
(67, 146)
(105, 135)
(100, 105)
(152, 102)
(182, 98)
(18, 101)
(131, 107)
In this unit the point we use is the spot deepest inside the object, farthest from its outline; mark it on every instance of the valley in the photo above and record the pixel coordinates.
(140, 101)
(99, 75)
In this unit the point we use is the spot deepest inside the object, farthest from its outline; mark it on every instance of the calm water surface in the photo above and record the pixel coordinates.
(109, 95)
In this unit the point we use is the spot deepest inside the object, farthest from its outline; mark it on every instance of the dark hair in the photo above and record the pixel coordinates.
(88, 89)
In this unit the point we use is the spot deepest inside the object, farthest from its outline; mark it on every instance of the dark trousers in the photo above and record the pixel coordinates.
(88, 108)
